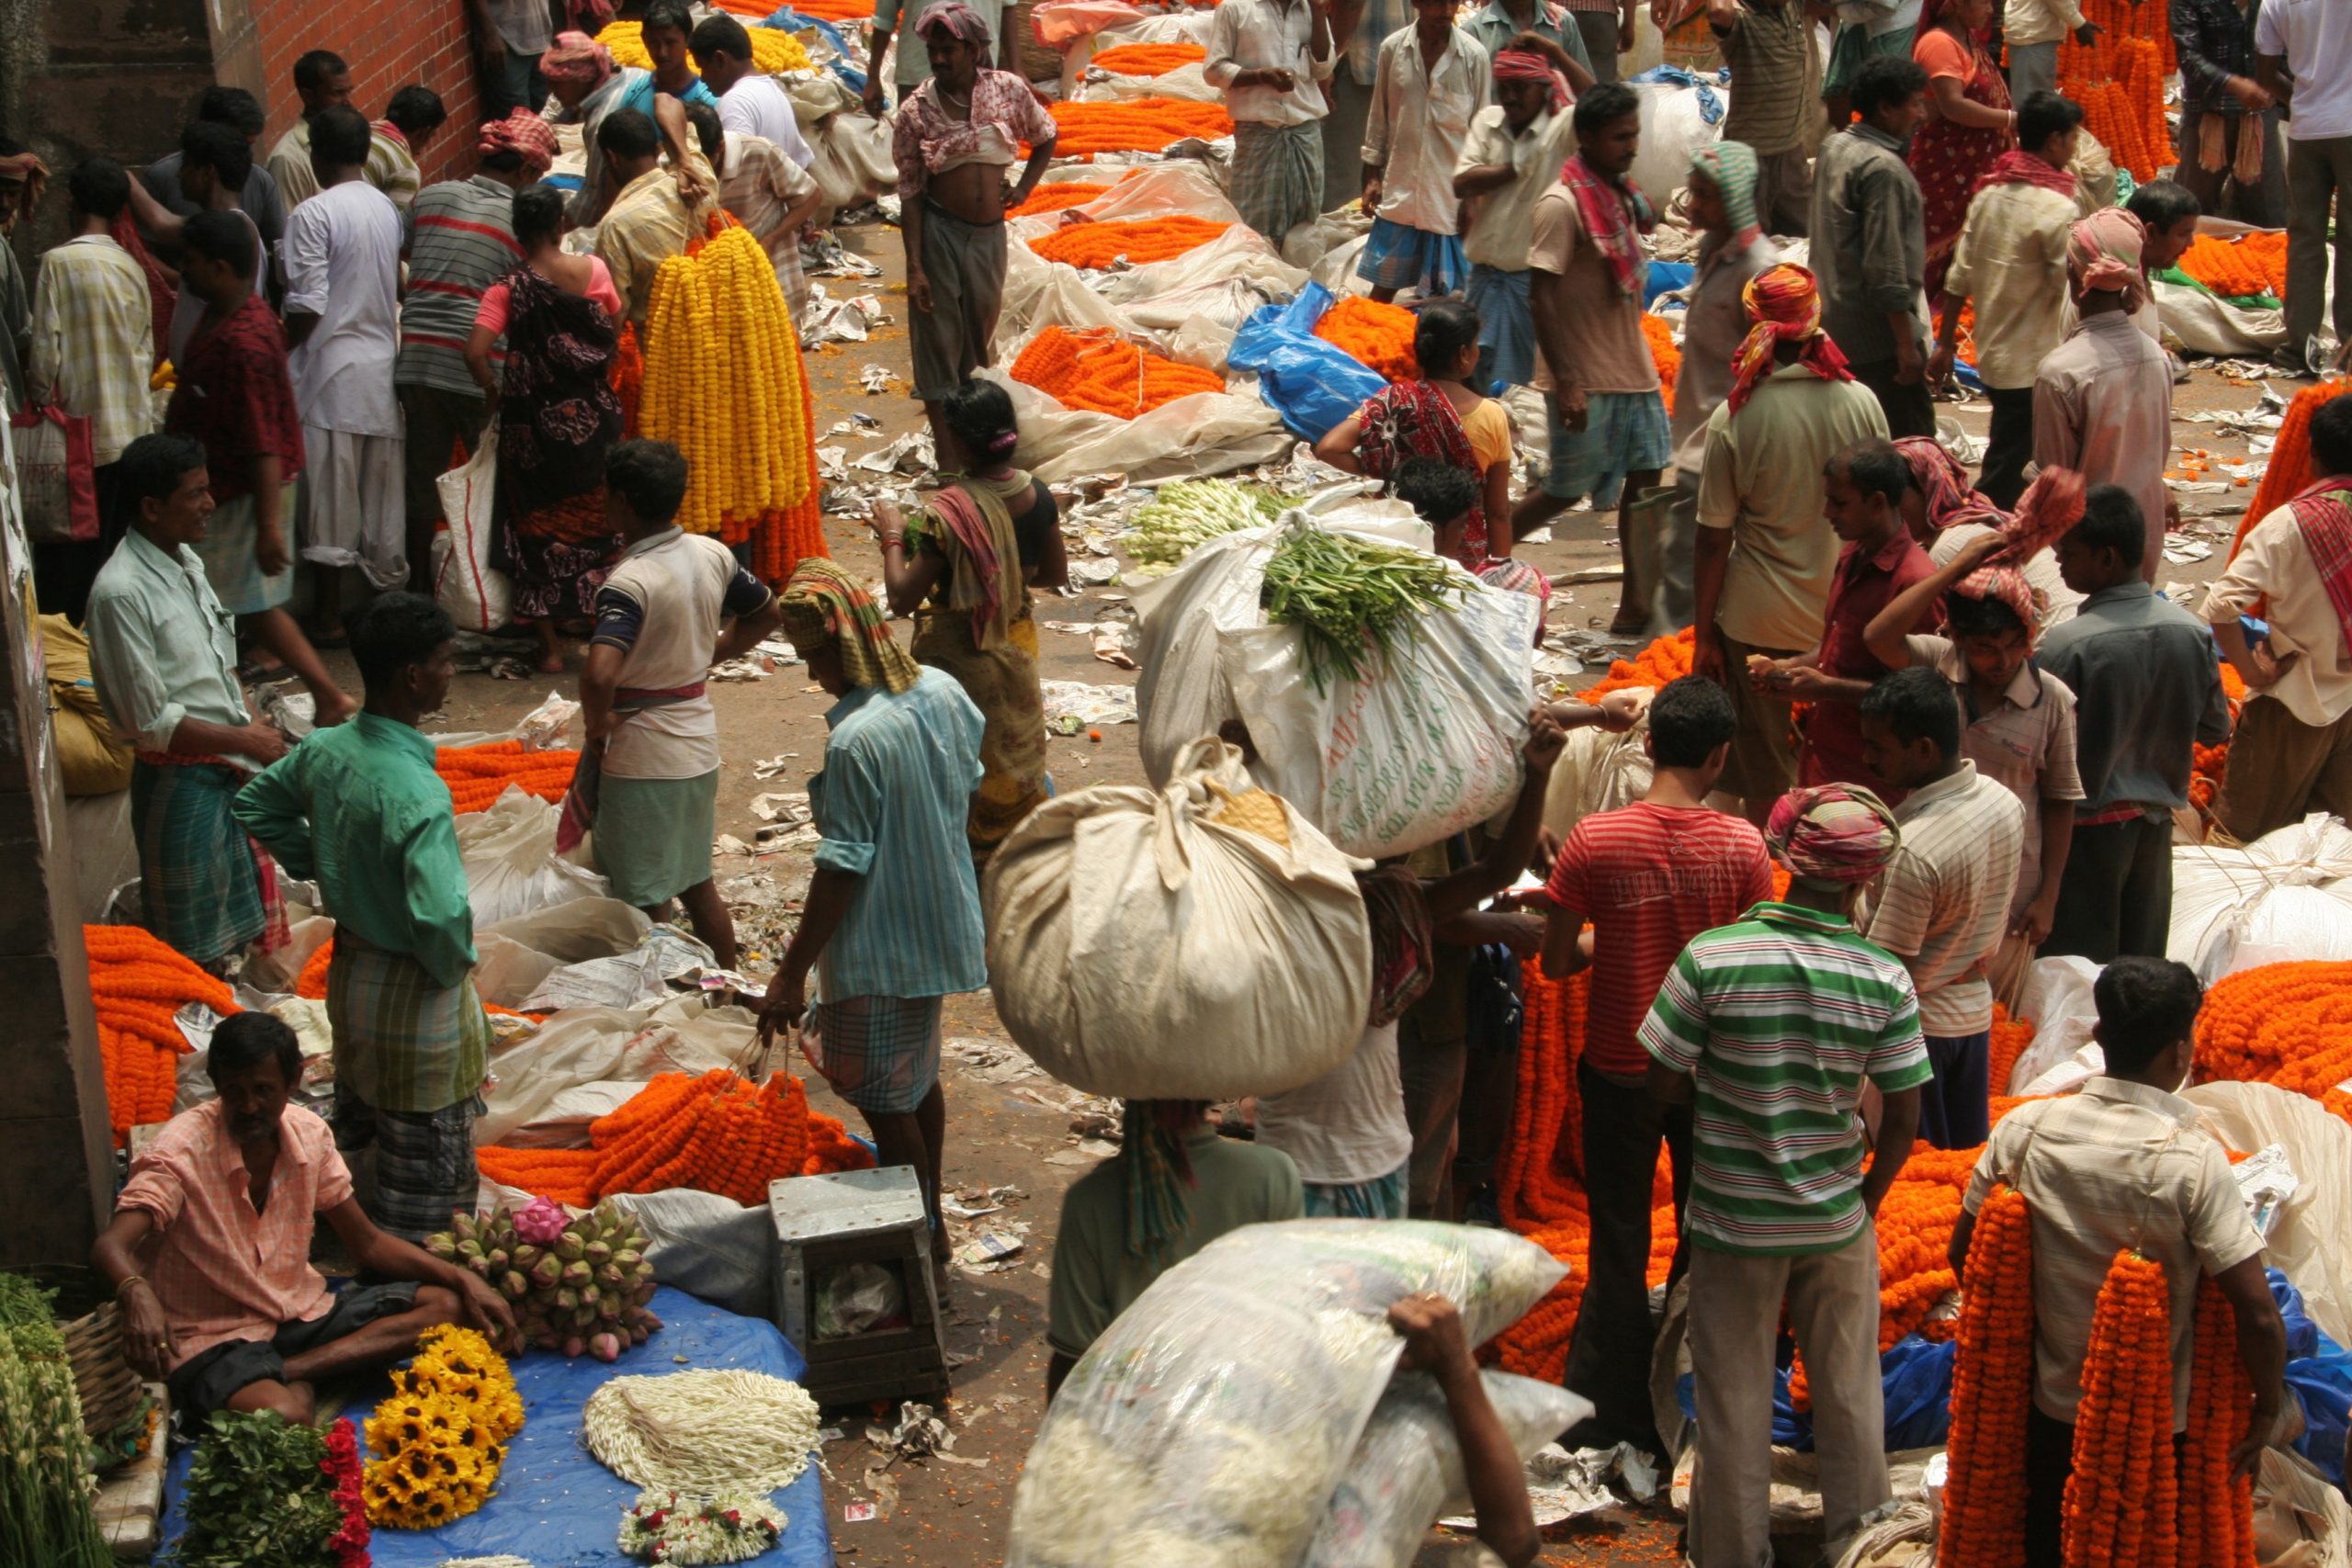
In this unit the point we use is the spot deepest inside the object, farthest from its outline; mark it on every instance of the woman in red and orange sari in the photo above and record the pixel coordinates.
(1970, 123)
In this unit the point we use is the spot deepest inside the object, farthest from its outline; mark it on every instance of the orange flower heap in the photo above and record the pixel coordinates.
(1992, 1392)
(1099, 246)
(2122, 1500)
(477, 776)
(2285, 1024)
(1378, 335)
(1133, 125)
(138, 983)
(2237, 268)
(1662, 354)
(1057, 197)
(1095, 369)
(2290, 472)
(1148, 59)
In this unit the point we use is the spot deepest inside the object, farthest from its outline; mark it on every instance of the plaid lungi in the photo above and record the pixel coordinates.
(881, 1054)
(424, 1164)
(1382, 1198)
(402, 1040)
(1277, 181)
(200, 886)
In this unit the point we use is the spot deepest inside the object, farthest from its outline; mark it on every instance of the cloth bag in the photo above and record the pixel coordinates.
(57, 472)
(91, 759)
(476, 595)
(1137, 946)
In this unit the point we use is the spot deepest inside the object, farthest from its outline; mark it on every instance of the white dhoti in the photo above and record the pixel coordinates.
(353, 507)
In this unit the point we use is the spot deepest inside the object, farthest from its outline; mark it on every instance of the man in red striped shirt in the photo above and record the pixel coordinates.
(1649, 876)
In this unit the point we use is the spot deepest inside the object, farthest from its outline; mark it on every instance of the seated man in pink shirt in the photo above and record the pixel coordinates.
(210, 1245)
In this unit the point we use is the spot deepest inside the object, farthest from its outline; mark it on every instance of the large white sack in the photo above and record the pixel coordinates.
(533, 1081)
(1672, 129)
(1211, 1420)
(2307, 1241)
(2287, 897)
(2057, 1001)
(1137, 948)
(1208, 433)
(512, 867)
(513, 957)
(2206, 323)
(1384, 766)
(476, 595)
(1598, 772)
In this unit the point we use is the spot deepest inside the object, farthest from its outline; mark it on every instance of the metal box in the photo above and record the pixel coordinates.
(858, 1216)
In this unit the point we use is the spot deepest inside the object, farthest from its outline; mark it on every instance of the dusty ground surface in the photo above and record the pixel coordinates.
(1014, 1139)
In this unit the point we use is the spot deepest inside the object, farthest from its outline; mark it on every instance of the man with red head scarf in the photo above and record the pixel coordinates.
(1515, 149)
(1766, 554)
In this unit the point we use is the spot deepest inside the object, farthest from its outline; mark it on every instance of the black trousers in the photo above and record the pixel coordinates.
(1609, 1359)
(2008, 447)
(64, 570)
(2116, 897)
(1909, 410)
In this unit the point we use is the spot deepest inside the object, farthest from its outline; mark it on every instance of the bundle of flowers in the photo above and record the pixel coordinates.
(2290, 473)
(442, 1435)
(2122, 1499)
(2208, 763)
(1057, 197)
(2118, 79)
(1132, 125)
(1099, 246)
(1097, 370)
(2281, 1024)
(1992, 1392)
(725, 385)
(1663, 352)
(1372, 334)
(1148, 59)
(716, 1132)
(2250, 266)
(2216, 1513)
(579, 1287)
(138, 982)
(673, 1527)
(45, 1482)
(262, 1492)
(773, 50)
(478, 775)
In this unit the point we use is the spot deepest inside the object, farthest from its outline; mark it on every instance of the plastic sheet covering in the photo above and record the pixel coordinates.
(1674, 123)
(1233, 1392)
(2206, 324)
(1139, 947)
(555, 1505)
(2300, 1521)
(1316, 386)
(2307, 1240)
(512, 867)
(1406, 1469)
(2319, 1374)
(708, 1245)
(513, 956)
(1208, 433)
(583, 1062)
(2057, 999)
(2285, 897)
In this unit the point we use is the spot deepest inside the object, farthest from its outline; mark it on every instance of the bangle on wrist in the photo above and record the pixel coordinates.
(125, 1282)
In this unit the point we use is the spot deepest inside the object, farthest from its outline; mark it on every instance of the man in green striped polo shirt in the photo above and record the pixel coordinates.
(1771, 1025)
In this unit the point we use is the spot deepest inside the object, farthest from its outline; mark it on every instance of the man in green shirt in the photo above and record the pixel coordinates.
(1174, 1187)
(359, 809)
(1771, 1025)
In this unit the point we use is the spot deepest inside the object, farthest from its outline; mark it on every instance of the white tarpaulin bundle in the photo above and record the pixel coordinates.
(2285, 898)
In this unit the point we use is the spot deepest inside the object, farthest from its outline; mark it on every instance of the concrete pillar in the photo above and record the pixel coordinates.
(56, 1154)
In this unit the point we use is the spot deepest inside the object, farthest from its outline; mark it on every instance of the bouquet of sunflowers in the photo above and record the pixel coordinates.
(443, 1434)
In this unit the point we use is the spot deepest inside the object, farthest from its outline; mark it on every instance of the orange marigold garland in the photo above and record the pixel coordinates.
(138, 985)
(1663, 352)
(2290, 472)
(1097, 370)
(2216, 1513)
(628, 377)
(1375, 334)
(1992, 1392)
(1099, 246)
(1057, 197)
(1148, 59)
(2237, 269)
(2285, 1024)
(478, 775)
(1132, 125)
(2122, 1499)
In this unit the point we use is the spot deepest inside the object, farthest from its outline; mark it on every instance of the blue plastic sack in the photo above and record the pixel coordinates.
(555, 1504)
(1665, 278)
(1711, 103)
(1313, 385)
(2319, 1374)
(1917, 1377)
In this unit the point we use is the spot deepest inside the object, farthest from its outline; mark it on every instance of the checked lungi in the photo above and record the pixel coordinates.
(1277, 181)
(881, 1054)
(200, 886)
(410, 1057)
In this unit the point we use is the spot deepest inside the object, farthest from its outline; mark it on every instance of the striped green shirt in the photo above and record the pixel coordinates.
(1779, 1017)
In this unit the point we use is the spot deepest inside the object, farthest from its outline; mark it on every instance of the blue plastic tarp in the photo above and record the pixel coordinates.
(555, 1505)
(1665, 278)
(2319, 1374)
(1917, 1377)
(1313, 385)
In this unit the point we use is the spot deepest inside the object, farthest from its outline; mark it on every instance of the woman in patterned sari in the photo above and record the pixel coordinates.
(1970, 123)
(557, 417)
(963, 567)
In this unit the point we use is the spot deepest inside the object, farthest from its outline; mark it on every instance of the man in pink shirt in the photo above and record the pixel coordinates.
(1649, 876)
(210, 1245)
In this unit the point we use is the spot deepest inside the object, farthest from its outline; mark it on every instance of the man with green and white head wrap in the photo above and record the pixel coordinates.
(1731, 249)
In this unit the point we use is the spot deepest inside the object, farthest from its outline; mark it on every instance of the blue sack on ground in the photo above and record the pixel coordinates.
(1665, 278)
(1313, 385)
(1916, 1376)
(2319, 1374)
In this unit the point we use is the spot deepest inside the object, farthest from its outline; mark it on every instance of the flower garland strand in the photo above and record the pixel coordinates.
(1374, 334)
(1992, 1392)
(2288, 1025)
(2216, 1513)
(1148, 59)
(478, 775)
(772, 48)
(2122, 1499)
(442, 1434)
(1132, 125)
(1099, 246)
(673, 1527)
(1095, 370)
(2291, 456)
(138, 985)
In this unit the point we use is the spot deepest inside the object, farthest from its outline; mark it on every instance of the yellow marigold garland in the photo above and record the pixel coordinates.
(442, 1436)
(773, 50)
(735, 400)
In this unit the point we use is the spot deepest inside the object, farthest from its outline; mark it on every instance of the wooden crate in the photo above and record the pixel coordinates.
(824, 1223)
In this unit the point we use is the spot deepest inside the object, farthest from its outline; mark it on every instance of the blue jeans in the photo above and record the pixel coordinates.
(1955, 1111)
(515, 85)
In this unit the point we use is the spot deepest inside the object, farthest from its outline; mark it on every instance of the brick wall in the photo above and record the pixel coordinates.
(390, 44)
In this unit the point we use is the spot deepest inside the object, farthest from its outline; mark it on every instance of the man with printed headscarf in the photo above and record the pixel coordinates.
(892, 922)
(588, 87)
(1770, 1027)
(1766, 554)
(2102, 399)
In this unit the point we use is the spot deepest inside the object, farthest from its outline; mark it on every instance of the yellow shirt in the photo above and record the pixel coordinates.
(646, 225)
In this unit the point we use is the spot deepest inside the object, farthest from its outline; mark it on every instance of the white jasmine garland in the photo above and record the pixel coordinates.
(664, 1526)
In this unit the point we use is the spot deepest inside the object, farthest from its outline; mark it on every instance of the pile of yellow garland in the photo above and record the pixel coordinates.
(724, 383)
(442, 1435)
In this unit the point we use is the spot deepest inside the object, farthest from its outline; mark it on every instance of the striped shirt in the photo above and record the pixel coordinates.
(1779, 1018)
(391, 168)
(2024, 742)
(761, 187)
(463, 243)
(1769, 48)
(890, 803)
(94, 342)
(1944, 901)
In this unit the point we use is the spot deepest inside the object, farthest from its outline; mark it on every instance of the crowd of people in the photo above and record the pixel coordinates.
(1952, 708)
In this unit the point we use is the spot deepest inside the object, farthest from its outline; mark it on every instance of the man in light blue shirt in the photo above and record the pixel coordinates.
(892, 922)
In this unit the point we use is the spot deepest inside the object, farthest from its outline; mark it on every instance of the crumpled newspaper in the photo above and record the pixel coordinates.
(1564, 1485)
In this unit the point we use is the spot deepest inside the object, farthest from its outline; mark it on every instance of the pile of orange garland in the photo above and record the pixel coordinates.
(2251, 264)
(138, 983)
(1132, 125)
(2119, 78)
(1057, 197)
(1099, 246)
(1374, 334)
(478, 775)
(1148, 59)
(1096, 369)
(1662, 354)
(2291, 456)
(716, 1132)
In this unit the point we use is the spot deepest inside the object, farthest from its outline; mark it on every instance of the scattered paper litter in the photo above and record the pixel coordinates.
(1073, 706)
